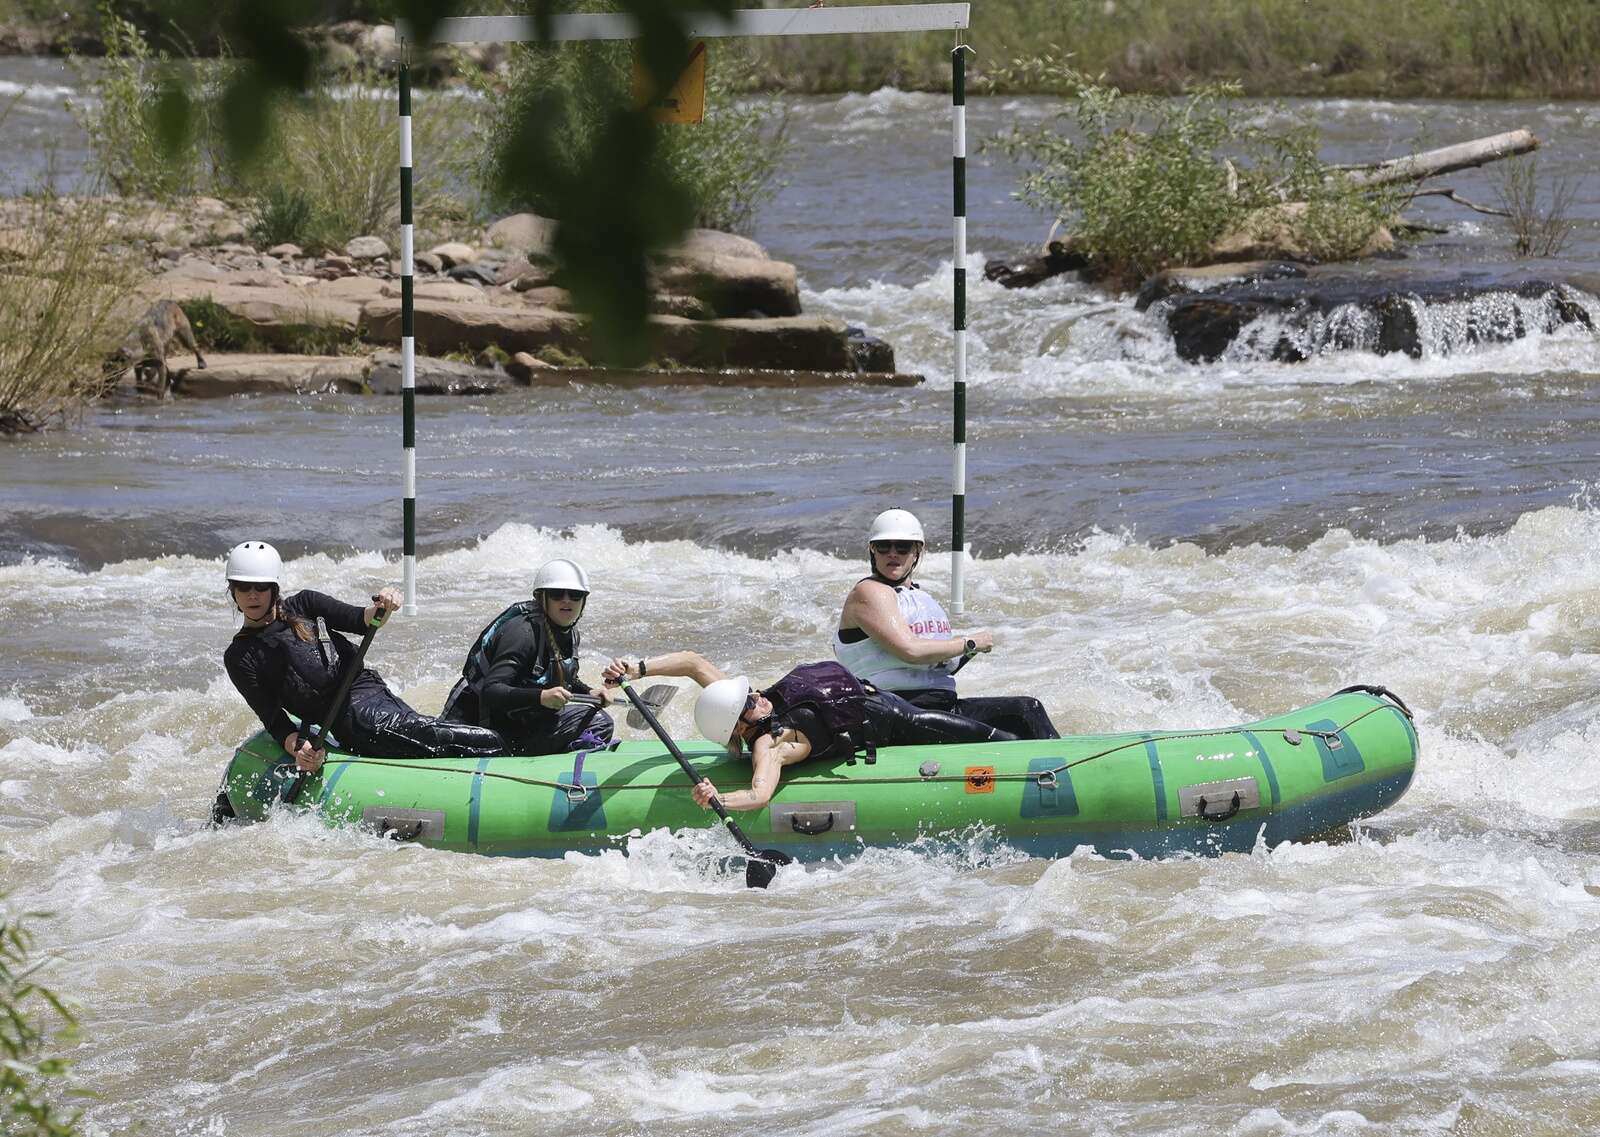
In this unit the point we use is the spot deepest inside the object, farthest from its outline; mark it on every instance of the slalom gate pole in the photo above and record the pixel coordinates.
(958, 480)
(408, 347)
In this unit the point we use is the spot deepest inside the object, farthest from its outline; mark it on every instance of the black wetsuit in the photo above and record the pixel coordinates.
(838, 714)
(1022, 715)
(280, 674)
(525, 657)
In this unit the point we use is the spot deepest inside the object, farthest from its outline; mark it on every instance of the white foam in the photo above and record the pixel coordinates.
(1068, 338)
(35, 92)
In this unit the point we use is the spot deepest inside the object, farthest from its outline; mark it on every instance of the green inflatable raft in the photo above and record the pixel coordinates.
(1151, 794)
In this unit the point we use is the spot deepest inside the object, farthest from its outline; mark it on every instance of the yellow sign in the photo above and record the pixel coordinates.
(685, 100)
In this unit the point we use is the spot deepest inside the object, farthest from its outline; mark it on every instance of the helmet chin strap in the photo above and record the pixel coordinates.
(872, 565)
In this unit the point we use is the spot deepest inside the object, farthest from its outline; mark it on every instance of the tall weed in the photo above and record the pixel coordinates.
(331, 170)
(63, 307)
(1539, 229)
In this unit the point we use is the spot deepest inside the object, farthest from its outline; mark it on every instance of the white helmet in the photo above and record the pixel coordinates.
(896, 525)
(717, 710)
(560, 574)
(254, 561)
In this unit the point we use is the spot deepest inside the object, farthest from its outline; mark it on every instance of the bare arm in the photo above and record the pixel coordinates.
(767, 762)
(688, 664)
(871, 607)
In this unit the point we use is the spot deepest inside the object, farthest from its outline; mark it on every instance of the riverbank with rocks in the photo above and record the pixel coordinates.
(489, 315)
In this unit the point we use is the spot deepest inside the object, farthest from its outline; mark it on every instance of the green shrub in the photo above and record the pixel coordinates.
(283, 214)
(30, 1077)
(728, 163)
(1146, 183)
(120, 119)
(331, 168)
(63, 309)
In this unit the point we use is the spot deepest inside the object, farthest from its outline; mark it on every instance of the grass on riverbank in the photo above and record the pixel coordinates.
(1425, 48)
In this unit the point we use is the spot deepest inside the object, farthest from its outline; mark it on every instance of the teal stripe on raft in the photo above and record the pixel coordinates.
(1159, 780)
(477, 799)
(1266, 765)
(327, 786)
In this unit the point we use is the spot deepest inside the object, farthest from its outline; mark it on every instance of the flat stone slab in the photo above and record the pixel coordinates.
(253, 374)
(435, 376)
(732, 377)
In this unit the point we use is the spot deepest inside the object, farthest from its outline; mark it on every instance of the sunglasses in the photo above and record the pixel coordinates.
(901, 547)
(565, 594)
(250, 585)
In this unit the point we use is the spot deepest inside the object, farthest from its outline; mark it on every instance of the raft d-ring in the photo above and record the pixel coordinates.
(1233, 808)
(1046, 779)
(577, 794)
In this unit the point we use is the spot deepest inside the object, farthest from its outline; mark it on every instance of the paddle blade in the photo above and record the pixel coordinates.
(655, 698)
(759, 873)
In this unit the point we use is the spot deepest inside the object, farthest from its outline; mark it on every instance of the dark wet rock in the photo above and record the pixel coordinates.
(1290, 321)
(475, 273)
(1188, 281)
(1055, 260)
(804, 343)
(435, 376)
(734, 286)
(868, 352)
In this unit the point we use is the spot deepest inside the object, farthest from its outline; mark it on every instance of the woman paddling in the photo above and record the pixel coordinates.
(897, 637)
(521, 674)
(817, 710)
(289, 657)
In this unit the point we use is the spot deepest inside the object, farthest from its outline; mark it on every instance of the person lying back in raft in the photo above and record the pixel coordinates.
(289, 655)
(818, 710)
(895, 636)
(521, 675)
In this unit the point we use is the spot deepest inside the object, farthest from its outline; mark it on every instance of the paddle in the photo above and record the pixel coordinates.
(761, 865)
(655, 698)
(319, 731)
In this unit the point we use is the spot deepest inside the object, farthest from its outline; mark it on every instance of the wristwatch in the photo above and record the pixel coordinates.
(972, 648)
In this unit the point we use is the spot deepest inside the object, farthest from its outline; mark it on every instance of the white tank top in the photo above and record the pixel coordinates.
(871, 661)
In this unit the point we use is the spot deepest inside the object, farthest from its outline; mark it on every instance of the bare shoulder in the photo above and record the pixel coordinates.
(791, 746)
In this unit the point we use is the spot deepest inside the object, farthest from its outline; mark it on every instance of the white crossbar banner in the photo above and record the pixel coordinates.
(708, 25)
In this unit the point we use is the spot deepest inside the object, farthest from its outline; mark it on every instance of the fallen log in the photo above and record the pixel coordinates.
(1445, 160)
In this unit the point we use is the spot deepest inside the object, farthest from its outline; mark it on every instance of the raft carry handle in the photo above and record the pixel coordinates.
(1381, 692)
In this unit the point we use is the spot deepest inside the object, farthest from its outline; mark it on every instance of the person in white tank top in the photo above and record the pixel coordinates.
(897, 637)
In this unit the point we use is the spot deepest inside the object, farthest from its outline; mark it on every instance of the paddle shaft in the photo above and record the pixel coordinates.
(319, 731)
(694, 775)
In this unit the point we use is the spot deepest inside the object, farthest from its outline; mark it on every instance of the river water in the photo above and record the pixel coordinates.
(1156, 545)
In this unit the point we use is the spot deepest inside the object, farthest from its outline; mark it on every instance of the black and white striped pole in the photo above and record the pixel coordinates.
(958, 488)
(408, 349)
